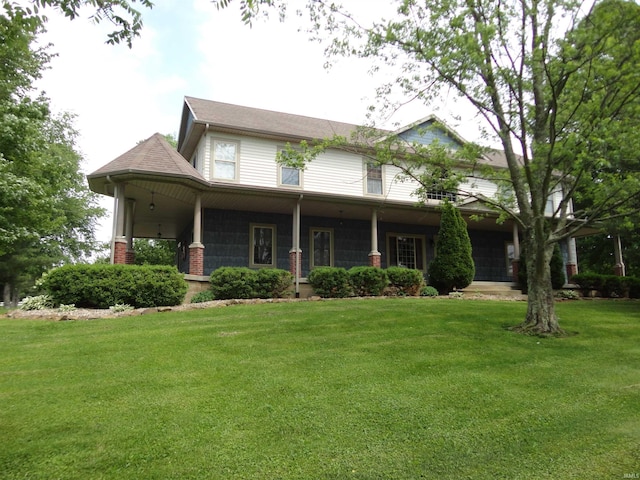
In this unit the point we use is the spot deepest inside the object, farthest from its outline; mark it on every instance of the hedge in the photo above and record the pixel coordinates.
(242, 283)
(611, 286)
(368, 281)
(406, 281)
(103, 285)
(330, 282)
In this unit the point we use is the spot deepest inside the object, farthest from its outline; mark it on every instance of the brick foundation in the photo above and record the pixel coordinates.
(120, 251)
(292, 261)
(572, 269)
(515, 266)
(130, 257)
(196, 259)
(375, 259)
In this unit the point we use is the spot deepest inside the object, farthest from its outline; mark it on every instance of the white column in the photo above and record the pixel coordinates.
(374, 233)
(128, 230)
(619, 268)
(197, 221)
(516, 242)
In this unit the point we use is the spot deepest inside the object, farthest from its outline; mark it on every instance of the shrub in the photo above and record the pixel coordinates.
(406, 281)
(633, 286)
(613, 286)
(453, 265)
(568, 295)
(330, 282)
(428, 291)
(242, 283)
(367, 281)
(120, 307)
(271, 283)
(588, 282)
(232, 282)
(204, 296)
(39, 302)
(104, 285)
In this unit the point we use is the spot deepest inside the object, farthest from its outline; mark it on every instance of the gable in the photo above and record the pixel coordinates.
(427, 132)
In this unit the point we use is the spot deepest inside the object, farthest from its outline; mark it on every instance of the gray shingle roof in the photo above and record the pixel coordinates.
(256, 120)
(154, 156)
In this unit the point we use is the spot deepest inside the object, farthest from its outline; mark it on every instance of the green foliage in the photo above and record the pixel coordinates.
(330, 282)
(428, 291)
(39, 302)
(243, 283)
(232, 282)
(154, 252)
(367, 281)
(611, 286)
(453, 265)
(120, 308)
(568, 295)
(102, 286)
(271, 283)
(201, 297)
(405, 281)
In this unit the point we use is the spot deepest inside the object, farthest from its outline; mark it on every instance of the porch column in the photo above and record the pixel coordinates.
(572, 258)
(196, 249)
(515, 263)
(119, 241)
(128, 231)
(295, 254)
(374, 254)
(619, 268)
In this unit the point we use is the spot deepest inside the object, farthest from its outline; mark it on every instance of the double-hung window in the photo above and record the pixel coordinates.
(263, 246)
(321, 247)
(225, 159)
(374, 184)
(406, 251)
(289, 176)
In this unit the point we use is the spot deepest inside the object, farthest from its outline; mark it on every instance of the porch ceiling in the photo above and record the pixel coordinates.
(174, 203)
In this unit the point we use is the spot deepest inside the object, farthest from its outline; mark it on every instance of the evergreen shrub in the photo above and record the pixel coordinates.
(368, 281)
(405, 281)
(428, 291)
(104, 285)
(611, 286)
(271, 282)
(453, 265)
(204, 296)
(242, 283)
(330, 282)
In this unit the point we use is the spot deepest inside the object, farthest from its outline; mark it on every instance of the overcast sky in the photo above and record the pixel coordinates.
(188, 48)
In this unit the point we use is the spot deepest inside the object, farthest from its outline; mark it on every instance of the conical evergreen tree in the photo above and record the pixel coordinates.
(452, 267)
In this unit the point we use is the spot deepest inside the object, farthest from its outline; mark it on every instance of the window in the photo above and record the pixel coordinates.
(406, 251)
(225, 159)
(510, 254)
(321, 247)
(290, 176)
(442, 195)
(374, 179)
(194, 160)
(263, 246)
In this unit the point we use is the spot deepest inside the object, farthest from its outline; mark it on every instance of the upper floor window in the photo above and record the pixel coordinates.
(263, 246)
(374, 184)
(290, 176)
(225, 159)
(442, 195)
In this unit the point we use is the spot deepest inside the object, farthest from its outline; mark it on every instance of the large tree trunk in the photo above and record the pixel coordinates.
(541, 316)
(6, 295)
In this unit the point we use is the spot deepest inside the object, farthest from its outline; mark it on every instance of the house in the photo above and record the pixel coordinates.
(227, 202)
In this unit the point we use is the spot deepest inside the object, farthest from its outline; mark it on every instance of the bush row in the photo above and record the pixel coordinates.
(102, 285)
(336, 282)
(610, 286)
(242, 282)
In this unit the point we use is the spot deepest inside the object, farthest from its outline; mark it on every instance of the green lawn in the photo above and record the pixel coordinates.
(349, 389)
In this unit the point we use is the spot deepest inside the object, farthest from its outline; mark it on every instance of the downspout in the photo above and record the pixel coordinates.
(297, 246)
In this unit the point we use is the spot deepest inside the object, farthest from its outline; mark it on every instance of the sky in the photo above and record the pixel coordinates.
(121, 96)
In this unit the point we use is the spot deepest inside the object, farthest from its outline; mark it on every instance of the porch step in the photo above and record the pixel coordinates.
(494, 288)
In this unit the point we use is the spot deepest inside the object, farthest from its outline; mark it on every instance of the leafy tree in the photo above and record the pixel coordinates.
(557, 85)
(452, 267)
(154, 252)
(123, 14)
(47, 213)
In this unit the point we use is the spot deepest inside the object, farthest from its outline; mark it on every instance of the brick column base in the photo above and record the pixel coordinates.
(120, 251)
(292, 261)
(375, 259)
(196, 259)
(619, 270)
(130, 257)
(515, 268)
(572, 269)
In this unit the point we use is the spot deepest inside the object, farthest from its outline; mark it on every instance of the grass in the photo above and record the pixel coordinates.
(355, 389)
